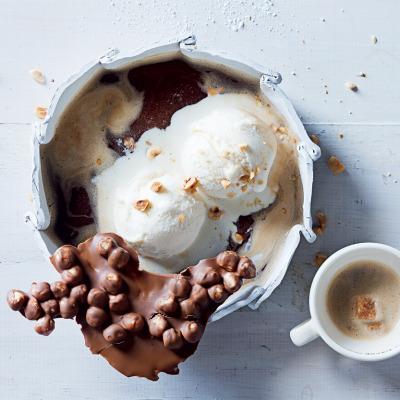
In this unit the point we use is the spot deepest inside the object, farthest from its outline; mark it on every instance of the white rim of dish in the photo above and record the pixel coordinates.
(39, 220)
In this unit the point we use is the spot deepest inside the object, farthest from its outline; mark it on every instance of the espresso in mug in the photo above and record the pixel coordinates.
(363, 300)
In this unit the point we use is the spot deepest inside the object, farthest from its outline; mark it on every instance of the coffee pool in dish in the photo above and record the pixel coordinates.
(129, 129)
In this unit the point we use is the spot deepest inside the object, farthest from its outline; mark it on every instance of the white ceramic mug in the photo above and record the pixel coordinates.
(320, 324)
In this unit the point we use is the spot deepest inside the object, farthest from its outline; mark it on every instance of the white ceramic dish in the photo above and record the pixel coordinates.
(251, 295)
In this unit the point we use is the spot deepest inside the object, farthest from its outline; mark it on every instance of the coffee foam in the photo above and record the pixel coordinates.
(371, 280)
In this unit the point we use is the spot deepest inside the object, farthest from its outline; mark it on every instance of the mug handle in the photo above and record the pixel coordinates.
(304, 333)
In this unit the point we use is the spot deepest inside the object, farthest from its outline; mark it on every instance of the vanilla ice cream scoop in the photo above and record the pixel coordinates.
(230, 152)
(156, 216)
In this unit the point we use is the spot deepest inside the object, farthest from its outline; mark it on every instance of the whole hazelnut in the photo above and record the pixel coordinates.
(189, 309)
(68, 307)
(96, 317)
(133, 323)
(232, 282)
(32, 310)
(59, 289)
(41, 291)
(228, 260)
(207, 276)
(115, 333)
(118, 258)
(104, 246)
(97, 298)
(72, 276)
(217, 293)
(51, 307)
(192, 331)
(199, 295)
(172, 339)
(246, 269)
(79, 293)
(180, 287)
(16, 299)
(111, 283)
(63, 258)
(44, 326)
(157, 325)
(119, 303)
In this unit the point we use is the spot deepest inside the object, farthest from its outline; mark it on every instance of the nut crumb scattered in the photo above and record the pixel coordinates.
(214, 91)
(181, 217)
(335, 165)
(129, 143)
(156, 187)
(225, 183)
(320, 258)
(275, 128)
(98, 161)
(214, 213)
(142, 205)
(293, 178)
(242, 146)
(36, 75)
(352, 86)
(153, 152)
(374, 39)
(362, 75)
(314, 139)
(41, 112)
(282, 129)
(319, 230)
(190, 184)
(284, 210)
(341, 136)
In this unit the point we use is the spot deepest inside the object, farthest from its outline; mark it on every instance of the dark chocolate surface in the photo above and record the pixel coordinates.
(142, 323)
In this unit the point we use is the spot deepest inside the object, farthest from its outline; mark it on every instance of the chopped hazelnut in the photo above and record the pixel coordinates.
(318, 230)
(282, 129)
(244, 188)
(374, 39)
(225, 183)
(244, 178)
(238, 237)
(293, 178)
(351, 86)
(321, 219)
(314, 139)
(142, 205)
(258, 169)
(36, 75)
(275, 128)
(181, 217)
(284, 210)
(242, 146)
(252, 175)
(190, 183)
(41, 112)
(231, 195)
(156, 187)
(98, 161)
(335, 165)
(214, 213)
(214, 91)
(257, 201)
(320, 258)
(129, 143)
(341, 136)
(153, 152)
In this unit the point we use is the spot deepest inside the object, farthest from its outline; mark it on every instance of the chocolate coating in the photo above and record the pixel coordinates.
(192, 331)
(68, 307)
(111, 283)
(32, 310)
(189, 309)
(246, 269)
(199, 295)
(97, 298)
(105, 245)
(51, 307)
(207, 276)
(172, 339)
(167, 305)
(79, 293)
(118, 258)
(232, 282)
(16, 299)
(115, 333)
(228, 260)
(119, 304)
(44, 326)
(41, 291)
(72, 276)
(133, 323)
(180, 287)
(59, 289)
(63, 258)
(217, 293)
(157, 325)
(96, 317)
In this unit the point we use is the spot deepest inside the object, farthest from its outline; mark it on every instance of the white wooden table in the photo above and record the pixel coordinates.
(247, 355)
